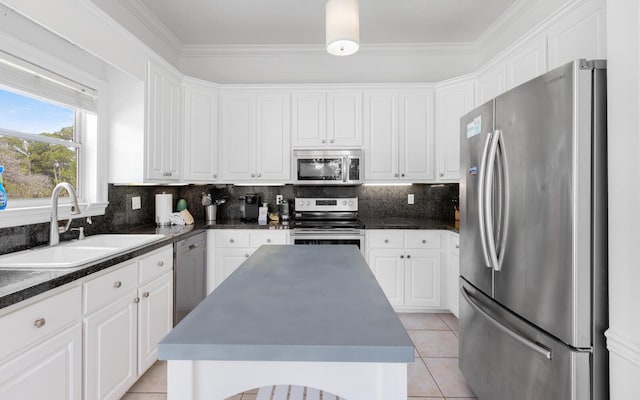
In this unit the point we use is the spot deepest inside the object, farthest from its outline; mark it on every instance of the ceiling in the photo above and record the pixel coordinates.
(298, 22)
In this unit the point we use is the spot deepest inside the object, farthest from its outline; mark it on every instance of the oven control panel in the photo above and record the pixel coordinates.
(326, 204)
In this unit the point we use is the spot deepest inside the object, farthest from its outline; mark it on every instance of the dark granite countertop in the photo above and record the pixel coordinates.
(408, 223)
(277, 307)
(21, 284)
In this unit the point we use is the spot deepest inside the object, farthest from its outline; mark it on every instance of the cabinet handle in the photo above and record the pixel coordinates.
(253, 175)
(145, 294)
(403, 175)
(268, 240)
(386, 240)
(441, 174)
(259, 175)
(246, 255)
(117, 284)
(396, 175)
(457, 246)
(323, 141)
(160, 263)
(215, 176)
(165, 174)
(331, 141)
(401, 255)
(231, 241)
(136, 300)
(424, 241)
(39, 323)
(408, 255)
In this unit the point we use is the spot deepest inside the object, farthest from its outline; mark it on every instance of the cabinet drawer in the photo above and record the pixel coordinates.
(232, 238)
(385, 239)
(156, 264)
(36, 321)
(423, 240)
(108, 287)
(260, 237)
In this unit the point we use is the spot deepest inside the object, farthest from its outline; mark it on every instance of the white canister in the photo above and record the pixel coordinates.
(164, 203)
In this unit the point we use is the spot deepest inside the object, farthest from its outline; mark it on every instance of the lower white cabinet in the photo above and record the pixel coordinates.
(453, 272)
(155, 318)
(51, 369)
(110, 349)
(407, 265)
(228, 248)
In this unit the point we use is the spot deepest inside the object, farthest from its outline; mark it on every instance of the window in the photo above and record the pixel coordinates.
(39, 147)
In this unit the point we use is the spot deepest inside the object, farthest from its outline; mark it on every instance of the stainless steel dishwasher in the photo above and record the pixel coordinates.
(189, 275)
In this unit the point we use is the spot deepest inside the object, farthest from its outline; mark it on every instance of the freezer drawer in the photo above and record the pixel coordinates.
(504, 358)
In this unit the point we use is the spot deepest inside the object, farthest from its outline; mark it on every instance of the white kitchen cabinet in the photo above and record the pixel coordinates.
(407, 265)
(228, 248)
(110, 349)
(155, 318)
(453, 272)
(526, 62)
(399, 136)
(452, 102)
(327, 119)
(200, 156)
(256, 137)
(492, 81)
(163, 126)
(580, 34)
(50, 369)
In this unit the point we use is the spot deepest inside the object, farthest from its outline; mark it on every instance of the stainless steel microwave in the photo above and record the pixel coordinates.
(328, 167)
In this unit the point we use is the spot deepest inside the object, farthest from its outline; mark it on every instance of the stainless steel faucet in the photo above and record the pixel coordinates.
(55, 231)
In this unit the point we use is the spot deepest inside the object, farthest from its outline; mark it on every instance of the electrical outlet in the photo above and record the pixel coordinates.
(410, 198)
(278, 199)
(135, 203)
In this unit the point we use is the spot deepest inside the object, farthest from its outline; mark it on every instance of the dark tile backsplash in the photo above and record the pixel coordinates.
(431, 201)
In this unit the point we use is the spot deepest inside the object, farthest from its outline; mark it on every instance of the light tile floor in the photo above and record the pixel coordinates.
(433, 375)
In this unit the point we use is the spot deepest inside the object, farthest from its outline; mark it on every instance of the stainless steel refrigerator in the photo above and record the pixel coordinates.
(533, 239)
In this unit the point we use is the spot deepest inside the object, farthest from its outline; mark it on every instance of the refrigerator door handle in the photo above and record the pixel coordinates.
(481, 211)
(504, 195)
(536, 347)
(488, 196)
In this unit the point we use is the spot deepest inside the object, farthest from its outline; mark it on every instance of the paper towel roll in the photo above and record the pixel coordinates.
(164, 204)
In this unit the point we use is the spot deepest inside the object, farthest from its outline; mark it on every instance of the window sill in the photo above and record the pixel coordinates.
(39, 214)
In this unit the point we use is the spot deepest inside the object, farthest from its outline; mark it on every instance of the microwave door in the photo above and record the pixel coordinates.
(320, 169)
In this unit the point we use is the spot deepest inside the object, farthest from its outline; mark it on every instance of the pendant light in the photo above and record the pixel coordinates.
(343, 27)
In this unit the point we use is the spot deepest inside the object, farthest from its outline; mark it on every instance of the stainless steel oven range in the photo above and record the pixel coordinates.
(327, 221)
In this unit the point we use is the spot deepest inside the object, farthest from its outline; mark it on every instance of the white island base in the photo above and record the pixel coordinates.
(218, 380)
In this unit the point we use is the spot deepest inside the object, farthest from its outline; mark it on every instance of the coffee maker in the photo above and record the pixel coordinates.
(249, 207)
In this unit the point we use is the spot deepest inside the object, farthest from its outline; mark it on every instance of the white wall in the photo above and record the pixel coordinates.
(623, 336)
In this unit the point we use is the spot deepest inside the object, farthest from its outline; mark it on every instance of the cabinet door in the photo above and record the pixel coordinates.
(228, 260)
(238, 136)
(309, 119)
(417, 149)
(381, 136)
(110, 349)
(452, 103)
(581, 34)
(163, 140)
(527, 62)
(453, 261)
(344, 119)
(273, 150)
(422, 278)
(388, 268)
(200, 134)
(491, 82)
(51, 369)
(155, 318)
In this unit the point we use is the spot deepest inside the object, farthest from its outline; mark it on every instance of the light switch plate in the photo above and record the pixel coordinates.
(135, 203)
(410, 198)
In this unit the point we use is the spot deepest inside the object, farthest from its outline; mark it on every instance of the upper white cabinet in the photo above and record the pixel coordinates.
(452, 102)
(492, 81)
(399, 136)
(200, 132)
(327, 118)
(527, 62)
(163, 127)
(580, 34)
(256, 137)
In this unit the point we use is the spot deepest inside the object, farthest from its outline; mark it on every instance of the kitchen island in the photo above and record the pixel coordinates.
(310, 316)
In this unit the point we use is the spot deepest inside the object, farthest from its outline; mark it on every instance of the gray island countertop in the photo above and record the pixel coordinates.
(294, 303)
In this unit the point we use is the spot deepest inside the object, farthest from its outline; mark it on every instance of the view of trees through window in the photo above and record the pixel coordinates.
(38, 147)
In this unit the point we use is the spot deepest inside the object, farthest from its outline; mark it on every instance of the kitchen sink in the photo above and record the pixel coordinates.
(75, 253)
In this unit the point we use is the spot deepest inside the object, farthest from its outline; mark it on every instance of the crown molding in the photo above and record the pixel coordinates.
(153, 23)
(226, 50)
(505, 20)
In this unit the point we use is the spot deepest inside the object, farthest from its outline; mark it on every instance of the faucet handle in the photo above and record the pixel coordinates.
(81, 230)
